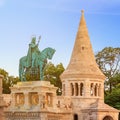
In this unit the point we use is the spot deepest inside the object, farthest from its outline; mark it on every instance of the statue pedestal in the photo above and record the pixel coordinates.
(32, 96)
(36, 100)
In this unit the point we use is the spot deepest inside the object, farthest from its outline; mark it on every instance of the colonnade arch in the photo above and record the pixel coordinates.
(81, 89)
(95, 89)
(77, 89)
(75, 117)
(107, 118)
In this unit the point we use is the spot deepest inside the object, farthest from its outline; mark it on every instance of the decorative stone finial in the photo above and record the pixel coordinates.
(82, 11)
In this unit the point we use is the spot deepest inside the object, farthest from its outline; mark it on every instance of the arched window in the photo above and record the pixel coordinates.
(92, 89)
(75, 117)
(95, 90)
(72, 89)
(107, 118)
(81, 89)
(76, 89)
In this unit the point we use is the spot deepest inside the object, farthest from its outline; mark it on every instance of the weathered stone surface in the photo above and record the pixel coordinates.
(36, 100)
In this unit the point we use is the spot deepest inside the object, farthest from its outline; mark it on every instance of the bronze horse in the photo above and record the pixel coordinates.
(40, 62)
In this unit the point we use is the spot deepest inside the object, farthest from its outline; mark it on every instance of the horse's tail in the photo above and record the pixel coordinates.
(22, 63)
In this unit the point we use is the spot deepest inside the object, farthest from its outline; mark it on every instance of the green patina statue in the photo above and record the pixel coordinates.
(34, 63)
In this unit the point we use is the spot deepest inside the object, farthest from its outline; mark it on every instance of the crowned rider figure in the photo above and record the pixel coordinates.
(33, 53)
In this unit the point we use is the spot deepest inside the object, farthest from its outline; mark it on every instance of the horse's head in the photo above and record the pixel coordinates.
(50, 53)
(47, 53)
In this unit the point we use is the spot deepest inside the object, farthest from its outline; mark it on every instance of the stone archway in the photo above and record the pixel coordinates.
(107, 118)
(75, 117)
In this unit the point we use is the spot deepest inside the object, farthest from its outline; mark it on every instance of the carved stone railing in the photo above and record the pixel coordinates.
(22, 115)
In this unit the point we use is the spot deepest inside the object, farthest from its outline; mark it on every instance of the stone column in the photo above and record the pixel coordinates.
(1, 100)
(74, 91)
(87, 88)
(102, 91)
(79, 89)
(26, 100)
(68, 89)
(63, 89)
(98, 90)
(93, 89)
(40, 100)
(39, 96)
(71, 89)
(13, 101)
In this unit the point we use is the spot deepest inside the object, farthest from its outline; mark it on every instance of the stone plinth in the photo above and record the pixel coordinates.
(83, 81)
(37, 100)
(33, 95)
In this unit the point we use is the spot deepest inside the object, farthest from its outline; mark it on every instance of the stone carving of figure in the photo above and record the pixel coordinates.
(19, 99)
(33, 52)
(43, 102)
(35, 99)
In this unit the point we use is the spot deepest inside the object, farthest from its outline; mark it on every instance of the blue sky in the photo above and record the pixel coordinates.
(57, 22)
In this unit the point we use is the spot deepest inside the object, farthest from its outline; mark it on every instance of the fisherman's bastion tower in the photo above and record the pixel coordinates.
(84, 81)
(82, 90)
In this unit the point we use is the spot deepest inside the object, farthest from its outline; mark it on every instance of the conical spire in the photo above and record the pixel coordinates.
(82, 62)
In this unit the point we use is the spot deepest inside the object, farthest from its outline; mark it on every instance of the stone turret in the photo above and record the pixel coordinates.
(83, 76)
(83, 81)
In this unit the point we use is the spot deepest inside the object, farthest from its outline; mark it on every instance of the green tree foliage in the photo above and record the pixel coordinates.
(113, 98)
(52, 73)
(8, 81)
(116, 80)
(109, 62)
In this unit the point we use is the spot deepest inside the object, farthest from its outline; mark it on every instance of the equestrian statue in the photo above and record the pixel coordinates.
(34, 63)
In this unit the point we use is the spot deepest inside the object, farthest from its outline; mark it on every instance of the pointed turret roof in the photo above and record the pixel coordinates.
(82, 62)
